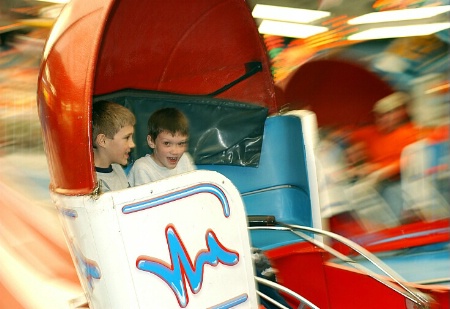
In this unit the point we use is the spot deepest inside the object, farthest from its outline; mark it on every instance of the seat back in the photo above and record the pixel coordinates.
(425, 174)
(285, 182)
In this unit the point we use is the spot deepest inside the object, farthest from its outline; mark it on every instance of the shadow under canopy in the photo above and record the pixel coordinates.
(220, 131)
(205, 48)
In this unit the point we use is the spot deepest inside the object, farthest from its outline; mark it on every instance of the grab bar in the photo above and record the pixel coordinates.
(412, 294)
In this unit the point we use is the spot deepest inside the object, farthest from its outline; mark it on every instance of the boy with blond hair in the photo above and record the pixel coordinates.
(113, 129)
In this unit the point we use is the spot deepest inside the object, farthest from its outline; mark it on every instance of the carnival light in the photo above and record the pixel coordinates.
(287, 14)
(399, 15)
(289, 29)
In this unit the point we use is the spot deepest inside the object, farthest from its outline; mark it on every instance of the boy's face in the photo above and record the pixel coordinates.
(118, 148)
(168, 148)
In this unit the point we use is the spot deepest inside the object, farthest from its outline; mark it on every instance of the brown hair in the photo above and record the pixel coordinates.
(167, 119)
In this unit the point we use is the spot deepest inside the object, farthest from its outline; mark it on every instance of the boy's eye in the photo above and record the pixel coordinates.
(166, 144)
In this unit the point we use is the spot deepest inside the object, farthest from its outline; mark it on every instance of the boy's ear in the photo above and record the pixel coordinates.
(150, 141)
(101, 140)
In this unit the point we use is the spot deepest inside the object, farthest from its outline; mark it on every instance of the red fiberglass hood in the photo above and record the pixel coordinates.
(101, 46)
(340, 92)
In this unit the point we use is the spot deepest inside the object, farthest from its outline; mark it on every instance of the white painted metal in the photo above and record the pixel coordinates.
(177, 243)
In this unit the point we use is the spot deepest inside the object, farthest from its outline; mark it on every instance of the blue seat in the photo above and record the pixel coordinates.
(279, 186)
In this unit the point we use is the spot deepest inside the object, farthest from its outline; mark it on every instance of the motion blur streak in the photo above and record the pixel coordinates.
(40, 272)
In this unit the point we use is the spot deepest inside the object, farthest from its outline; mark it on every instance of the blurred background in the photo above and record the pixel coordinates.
(37, 271)
(331, 71)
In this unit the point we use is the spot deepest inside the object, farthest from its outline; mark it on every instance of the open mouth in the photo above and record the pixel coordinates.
(172, 160)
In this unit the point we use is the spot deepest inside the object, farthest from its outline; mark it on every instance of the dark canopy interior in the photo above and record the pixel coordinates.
(220, 131)
(191, 48)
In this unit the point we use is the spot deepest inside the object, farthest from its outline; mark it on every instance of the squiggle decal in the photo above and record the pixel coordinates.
(181, 267)
(71, 213)
(88, 267)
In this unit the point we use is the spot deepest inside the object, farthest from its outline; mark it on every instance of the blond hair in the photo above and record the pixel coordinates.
(108, 118)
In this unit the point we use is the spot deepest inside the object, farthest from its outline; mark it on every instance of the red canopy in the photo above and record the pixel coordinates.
(339, 91)
(101, 46)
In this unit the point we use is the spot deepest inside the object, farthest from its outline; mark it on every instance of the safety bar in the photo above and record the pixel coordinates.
(412, 294)
(303, 301)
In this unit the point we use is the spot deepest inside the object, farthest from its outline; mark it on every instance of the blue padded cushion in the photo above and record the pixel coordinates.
(279, 185)
(288, 205)
(282, 159)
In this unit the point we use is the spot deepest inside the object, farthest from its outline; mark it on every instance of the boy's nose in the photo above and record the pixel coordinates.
(176, 149)
(132, 144)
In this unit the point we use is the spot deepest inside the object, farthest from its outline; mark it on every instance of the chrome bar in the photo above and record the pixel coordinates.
(271, 300)
(412, 294)
(433, 281)
(286, 290)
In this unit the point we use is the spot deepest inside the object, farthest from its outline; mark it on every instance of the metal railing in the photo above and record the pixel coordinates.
(414, 295)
